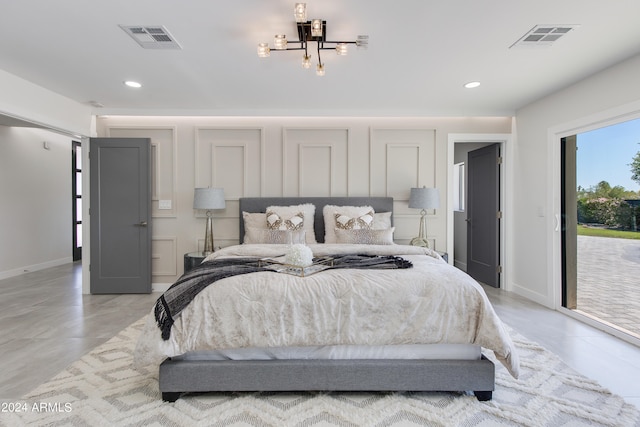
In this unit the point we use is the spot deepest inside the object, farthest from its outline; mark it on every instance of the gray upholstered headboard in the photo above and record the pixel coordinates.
(260, 204)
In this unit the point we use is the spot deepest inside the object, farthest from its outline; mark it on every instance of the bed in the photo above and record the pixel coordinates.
(335, 330)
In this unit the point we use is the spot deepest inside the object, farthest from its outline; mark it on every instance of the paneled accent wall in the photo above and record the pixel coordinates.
(288, 156)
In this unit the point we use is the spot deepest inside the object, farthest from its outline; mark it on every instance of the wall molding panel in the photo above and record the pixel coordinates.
(163, 163)
(401, 159)
(163, 256)
(230, 158)
(315, 161)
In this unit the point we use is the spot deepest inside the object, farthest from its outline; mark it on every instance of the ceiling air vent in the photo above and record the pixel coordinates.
(151, 36)
(543, 35)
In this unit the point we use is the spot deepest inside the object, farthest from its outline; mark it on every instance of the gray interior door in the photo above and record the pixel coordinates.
(120, 215)
(483, 215)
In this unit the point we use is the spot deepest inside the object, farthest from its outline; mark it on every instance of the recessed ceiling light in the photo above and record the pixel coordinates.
(131, 83)
(471, 85)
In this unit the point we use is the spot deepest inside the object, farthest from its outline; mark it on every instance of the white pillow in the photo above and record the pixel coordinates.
(308, 211)
(381, 220)
(365, 236)
(328, 214)
(254, 220)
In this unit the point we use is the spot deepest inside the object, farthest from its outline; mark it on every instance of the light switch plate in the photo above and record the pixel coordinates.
(164, 204)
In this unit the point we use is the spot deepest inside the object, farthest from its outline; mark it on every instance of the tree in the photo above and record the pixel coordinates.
(635, 168)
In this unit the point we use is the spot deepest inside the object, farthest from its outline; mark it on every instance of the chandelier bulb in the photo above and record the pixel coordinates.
(280, 42)
(306, 61)
(316, 28)
(300, 12)
(320, 69)
(341, 49)
(362, 42)
(263, 50)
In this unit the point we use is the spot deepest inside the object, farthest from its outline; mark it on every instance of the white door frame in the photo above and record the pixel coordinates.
(506, 178)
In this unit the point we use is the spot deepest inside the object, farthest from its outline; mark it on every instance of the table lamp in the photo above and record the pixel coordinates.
(208, 199)
(423, 198)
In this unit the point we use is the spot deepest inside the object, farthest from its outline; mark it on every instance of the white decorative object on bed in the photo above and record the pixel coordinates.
(374, 314)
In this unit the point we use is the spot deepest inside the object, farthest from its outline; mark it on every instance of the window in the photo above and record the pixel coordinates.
(76, 197)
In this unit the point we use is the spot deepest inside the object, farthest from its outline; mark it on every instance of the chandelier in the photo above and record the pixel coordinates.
(314, 30)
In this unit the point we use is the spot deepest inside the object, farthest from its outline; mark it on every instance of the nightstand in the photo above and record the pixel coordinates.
(192, 259)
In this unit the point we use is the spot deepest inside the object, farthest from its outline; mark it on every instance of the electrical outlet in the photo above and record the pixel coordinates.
(164, 204)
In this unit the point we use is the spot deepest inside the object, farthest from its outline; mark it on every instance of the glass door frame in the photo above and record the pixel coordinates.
(555, 200)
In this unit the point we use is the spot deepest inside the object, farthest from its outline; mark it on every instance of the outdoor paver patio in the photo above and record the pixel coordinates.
(609, 281)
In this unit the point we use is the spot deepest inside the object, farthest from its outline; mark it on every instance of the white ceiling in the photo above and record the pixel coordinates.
(420, 54)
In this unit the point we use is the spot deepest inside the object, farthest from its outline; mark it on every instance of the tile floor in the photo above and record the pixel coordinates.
(46, 324)
(609, 281)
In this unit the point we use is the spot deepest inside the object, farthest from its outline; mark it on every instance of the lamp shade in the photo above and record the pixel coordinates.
(424, 198)
(208, 198)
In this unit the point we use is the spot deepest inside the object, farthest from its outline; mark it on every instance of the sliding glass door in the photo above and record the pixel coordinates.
(600, 210)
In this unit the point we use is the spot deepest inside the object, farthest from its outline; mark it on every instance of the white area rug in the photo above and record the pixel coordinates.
(102, 389)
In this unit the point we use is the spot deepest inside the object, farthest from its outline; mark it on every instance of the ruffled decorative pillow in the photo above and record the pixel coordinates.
(349, 212)
(276, 222)
(347, 223)
(308, 211)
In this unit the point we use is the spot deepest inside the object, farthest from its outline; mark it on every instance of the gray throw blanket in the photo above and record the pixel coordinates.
(190, 284)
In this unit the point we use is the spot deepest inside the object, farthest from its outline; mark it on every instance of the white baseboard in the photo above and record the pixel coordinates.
(160, 287)
(34, 267)
(460, 265)
(533, 296)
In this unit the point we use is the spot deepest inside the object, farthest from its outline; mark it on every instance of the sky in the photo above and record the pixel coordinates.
(605, 154)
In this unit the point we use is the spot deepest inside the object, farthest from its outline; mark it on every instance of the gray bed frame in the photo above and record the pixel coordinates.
(178, 376)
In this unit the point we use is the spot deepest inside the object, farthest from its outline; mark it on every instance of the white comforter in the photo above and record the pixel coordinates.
(432, 302)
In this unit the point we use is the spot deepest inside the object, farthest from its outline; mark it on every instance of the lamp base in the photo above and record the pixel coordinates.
(208, 236)
(419, 241)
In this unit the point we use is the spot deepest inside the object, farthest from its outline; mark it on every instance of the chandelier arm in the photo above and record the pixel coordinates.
(289, 48)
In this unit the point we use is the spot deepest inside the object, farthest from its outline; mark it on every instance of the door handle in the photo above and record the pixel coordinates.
(141, 224)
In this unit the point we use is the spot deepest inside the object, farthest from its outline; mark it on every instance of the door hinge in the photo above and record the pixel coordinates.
(499, 160)
(499, 269)
(499, 215)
